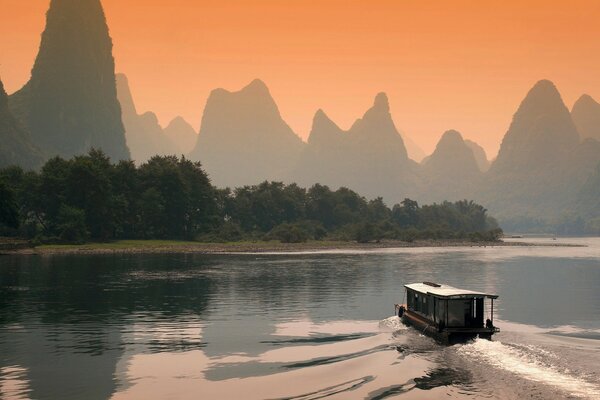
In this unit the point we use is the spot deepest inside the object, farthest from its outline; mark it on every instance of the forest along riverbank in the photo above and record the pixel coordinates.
(158, 247)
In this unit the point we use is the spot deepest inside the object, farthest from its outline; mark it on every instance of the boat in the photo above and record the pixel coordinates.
(448, 314)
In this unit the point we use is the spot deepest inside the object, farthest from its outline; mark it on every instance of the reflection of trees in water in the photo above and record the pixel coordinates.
(103, 289)
(63, 318)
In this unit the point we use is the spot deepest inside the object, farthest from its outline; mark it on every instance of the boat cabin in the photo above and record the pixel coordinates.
(448, 311)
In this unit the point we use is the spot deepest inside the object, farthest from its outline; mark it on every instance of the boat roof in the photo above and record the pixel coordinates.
(447, 292)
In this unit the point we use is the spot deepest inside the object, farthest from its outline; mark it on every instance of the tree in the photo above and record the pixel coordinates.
(89, 188)
(9, 212)
(161, 177)
(406, 215)
(71, 226)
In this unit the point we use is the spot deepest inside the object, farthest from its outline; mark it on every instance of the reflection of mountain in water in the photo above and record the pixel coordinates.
(194, 321)
(65, 325)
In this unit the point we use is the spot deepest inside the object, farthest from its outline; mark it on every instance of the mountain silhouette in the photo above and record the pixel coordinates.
(70, 103)
(370, 157)
(541, 165)
(182, 134)
(145, 136)
(586, 115)
(415, 152)
(16, 146)
(450, 171)
(243, 140)
(480, 155)
(541, 132)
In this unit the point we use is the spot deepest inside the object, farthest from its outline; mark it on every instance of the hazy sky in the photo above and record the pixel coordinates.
(460, 64)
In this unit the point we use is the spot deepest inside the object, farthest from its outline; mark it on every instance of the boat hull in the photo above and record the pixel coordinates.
(448, 336)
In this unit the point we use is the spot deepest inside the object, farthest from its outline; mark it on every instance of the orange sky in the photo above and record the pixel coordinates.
(460, 64)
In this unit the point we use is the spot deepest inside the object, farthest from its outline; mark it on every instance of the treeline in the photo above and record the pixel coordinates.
(89, 198)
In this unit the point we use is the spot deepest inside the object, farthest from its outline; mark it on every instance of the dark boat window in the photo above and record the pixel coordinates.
(440, 311)
(459, 313)
(478, 320)
(410, 299)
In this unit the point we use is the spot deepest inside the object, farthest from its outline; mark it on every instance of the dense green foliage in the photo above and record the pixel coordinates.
(87, 197)
(9, 213)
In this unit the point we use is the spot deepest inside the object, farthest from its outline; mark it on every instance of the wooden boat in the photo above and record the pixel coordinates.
(448, 314)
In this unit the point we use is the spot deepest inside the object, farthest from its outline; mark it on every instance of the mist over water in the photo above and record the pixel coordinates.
(295, 326)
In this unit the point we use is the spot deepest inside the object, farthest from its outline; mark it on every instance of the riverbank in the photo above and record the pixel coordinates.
(163, 246)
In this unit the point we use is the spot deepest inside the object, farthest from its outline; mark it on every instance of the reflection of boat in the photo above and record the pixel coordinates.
(447, 314)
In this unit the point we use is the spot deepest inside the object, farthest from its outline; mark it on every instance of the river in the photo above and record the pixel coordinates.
(304, 326)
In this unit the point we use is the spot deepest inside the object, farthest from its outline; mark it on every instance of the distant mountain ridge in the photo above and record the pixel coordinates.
(451, 170)
(243, 139)
(542, 130)
(182, 134)
(480, 155)
(145, 137)
(542, 164)
(586, 115)
(415, 152)
(70, 103)
(547, 165)
(370, 157)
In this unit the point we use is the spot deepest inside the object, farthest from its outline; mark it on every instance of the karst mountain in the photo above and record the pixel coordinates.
(243, 139)
(70, 103)
(145, 136)
(370, 157)
(16, 146)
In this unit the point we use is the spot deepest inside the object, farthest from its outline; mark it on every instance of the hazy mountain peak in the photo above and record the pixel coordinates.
(243, 138)
(145, 136)
(179, 121)
(586, 115)
(449, 149)
(542, 130)
(182, 134)
(451, 137)
(70, 104)
(382, 102)
(480, 155)
(324, 130)
(251, 99)
(452, 156)
(124, 95)
(377, 127)
(370, 157)
(546, 86)
(257, 86)
(451, 169)
(585, 100)
(415, 152)
(150, 118)
(544, 97)
(321, 118)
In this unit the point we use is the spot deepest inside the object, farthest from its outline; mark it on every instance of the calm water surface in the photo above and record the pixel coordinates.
(295, 326)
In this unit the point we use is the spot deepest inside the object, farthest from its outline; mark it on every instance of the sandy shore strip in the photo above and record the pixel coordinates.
(166, 247)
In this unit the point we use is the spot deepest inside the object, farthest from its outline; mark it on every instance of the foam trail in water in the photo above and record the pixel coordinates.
(391, 324)
(525, 363)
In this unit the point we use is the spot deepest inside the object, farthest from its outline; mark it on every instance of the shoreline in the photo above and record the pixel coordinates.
(175, 247)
